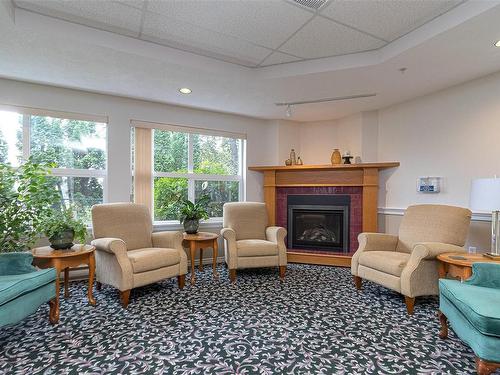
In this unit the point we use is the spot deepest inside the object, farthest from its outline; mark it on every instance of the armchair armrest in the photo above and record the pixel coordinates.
(16, 263)
(430, 250)
(276, 234)
(171, 240)
(377, 242)
(231, 252)
(114, 246)
(486, 275)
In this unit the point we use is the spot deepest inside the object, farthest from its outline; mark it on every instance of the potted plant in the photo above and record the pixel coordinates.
(27, 195)
(191, 213)
(61, 228)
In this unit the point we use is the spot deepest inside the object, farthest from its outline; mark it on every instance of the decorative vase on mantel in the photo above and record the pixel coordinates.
(336, 157)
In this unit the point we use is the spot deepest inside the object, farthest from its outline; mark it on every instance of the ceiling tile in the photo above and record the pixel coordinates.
(265, 22)
(139, 4)
(105, 15)
(387, 19)
(178, 34)
(322, 38)
(278, 58)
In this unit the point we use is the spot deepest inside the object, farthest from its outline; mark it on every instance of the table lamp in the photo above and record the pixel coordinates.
(485, 196)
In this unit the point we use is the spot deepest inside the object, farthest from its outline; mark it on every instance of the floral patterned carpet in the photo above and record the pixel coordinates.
(313, 323)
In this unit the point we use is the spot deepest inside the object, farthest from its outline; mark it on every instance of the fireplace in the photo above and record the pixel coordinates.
(318, 222)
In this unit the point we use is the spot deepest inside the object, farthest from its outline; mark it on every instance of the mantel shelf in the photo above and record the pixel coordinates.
(324, 167)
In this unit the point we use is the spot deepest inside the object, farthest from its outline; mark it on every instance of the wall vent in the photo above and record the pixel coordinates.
(311, 4)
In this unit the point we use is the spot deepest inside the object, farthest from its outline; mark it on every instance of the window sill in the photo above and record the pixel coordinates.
(215, 223)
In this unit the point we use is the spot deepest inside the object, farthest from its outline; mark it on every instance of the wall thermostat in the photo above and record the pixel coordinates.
(428, 184)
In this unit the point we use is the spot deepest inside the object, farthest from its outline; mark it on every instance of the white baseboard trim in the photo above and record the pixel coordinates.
(476, 216)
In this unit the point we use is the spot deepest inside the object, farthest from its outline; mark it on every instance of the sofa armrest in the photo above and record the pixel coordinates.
(485, 275)
(114, 246)
(430, 250)
(231, 252)
(16, 263)
(377, 242)
(171, 240)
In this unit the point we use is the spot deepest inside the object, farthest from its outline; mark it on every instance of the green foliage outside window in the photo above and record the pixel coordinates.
(211, 155)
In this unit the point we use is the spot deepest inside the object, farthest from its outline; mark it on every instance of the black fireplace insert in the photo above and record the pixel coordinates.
(318, 222)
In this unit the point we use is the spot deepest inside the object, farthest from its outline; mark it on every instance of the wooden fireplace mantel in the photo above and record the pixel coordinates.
(363, 175)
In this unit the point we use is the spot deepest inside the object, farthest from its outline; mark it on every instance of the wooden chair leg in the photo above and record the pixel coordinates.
(98, 285)
(54, 311)
(486, 368)
(410, 304)
(181, 281)
(282, 273)
(124, 297)
(358, 282)
(232, 275)
(443, 333)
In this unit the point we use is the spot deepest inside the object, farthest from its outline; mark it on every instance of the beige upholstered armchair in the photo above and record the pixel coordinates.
(250, 243)
(407, 263)
(128, 254)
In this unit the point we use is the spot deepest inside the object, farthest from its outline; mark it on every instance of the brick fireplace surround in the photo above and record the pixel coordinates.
(359, 181)
(355, 214)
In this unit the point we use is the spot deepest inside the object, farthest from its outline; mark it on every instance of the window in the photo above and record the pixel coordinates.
(188, 165)
(76, 146)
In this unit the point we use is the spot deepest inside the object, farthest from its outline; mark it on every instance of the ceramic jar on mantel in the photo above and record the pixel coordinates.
(336, 157)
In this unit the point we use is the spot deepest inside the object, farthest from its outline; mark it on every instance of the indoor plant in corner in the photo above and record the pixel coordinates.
(27, 195)
(61, 228)
(191, 213)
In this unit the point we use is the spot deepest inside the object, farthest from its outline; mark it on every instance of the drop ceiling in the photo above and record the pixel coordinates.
(242, 57)
(253, 33)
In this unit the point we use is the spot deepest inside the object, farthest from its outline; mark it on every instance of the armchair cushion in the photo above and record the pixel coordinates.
(390, 262)
(256, 248)
(478, 304)
(13, 286)
(149, 259)
(16, 263)
(247, 219)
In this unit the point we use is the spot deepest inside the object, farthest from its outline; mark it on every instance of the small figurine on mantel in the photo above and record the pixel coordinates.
(293, 160)
(347, 157)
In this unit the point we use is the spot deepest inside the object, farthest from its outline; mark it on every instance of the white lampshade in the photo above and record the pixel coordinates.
(485, 194)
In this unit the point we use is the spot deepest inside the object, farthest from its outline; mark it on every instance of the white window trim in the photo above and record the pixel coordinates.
(27, 112)
(214, 222)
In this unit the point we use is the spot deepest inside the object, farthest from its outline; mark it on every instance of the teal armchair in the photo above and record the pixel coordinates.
(23, 288)
(472, 309)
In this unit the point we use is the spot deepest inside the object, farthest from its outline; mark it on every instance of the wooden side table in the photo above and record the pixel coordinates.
(459, 265)
(63, 260)
(200, 241)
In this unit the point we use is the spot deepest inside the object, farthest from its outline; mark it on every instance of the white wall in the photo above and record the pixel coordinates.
(261, 134)
(454, 133)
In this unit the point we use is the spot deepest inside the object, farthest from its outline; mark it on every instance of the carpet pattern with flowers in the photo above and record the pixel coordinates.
(313, 323)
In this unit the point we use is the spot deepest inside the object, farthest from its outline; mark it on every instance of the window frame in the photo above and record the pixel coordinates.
(190, 176)
(27, 112)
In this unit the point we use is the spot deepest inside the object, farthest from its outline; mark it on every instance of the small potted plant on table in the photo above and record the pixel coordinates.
(61, 228)
(191, 213)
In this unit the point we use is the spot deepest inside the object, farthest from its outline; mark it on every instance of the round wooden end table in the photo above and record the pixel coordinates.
(200, 241)
(459, 265)
(63, 260)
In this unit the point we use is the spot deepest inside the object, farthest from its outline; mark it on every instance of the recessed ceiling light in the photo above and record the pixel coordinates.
(185, 90)
(497, 44)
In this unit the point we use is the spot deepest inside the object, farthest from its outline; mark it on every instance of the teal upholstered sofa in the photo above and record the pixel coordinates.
(472, 308)
(23, 288)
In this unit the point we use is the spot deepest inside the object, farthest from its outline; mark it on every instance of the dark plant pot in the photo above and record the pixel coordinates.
(62, 240)
(191, 226)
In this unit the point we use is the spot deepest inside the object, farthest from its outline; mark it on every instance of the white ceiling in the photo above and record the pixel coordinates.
(447, 50)
(252, 32)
